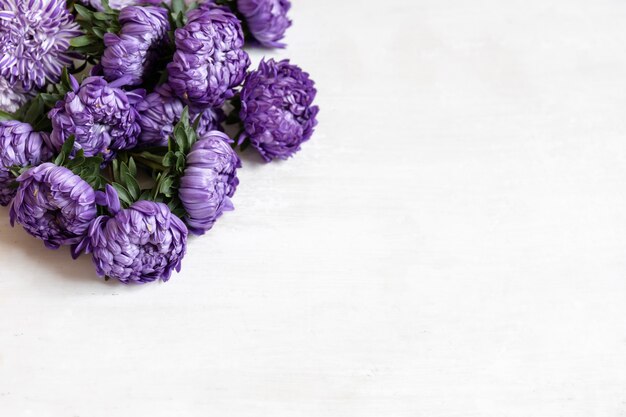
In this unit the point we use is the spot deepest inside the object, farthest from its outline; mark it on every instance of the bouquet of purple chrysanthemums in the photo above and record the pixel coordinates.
(112, 121)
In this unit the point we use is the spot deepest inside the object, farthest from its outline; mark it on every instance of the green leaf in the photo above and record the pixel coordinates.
(6, 116)
(43, 125)
(184, 136)
(101, 16)
(165, 185)
(80, 41)
(130, 182)
(146, 195)
(115, 168)
(65, 80)
(178, 6)
(180, 20)
(50, 99)
(132, 167)
(99, 32)
(180, 137)
(77, 161)
(17, 170)
(66, 150)
(105, 5)
(83, 11)
(184, 117)
(179, 212)
(169, 159)
(123, 172)
(35, 111)
(133, 188)
(181, 161)
(123, 193)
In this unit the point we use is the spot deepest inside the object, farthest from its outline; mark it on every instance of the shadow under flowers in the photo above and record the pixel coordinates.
(59, 262)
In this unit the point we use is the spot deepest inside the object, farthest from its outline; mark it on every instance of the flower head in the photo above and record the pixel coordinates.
(161, 110)
(100, 115)
(143, 243)
(158, 113)
(53, 204)
(19, 146)
(124, 56)
(34, 41)
(11, 97)
(209, 62)
(266, 19)
(210, 120)
(277, 109)
(148, 23)
(210, 179)
(133, 52)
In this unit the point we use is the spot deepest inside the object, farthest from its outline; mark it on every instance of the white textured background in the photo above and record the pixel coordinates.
(452, 242)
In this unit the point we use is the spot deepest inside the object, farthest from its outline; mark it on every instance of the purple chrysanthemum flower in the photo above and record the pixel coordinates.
(19, 146)
(53, 204)
(34, 41)
(277, 109)
(209, 62)
(143, 243)
(11, 97)
(125, 56)
(100, 115)
(161, 110)
(210, 120)
(133, 52)
(158, 113)
(266, 19)
(209, 181)
(148, 23)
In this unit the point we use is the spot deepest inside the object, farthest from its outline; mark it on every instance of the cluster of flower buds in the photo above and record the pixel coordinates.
(113, 120)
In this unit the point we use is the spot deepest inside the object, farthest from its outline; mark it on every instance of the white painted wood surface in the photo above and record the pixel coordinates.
(452, 242)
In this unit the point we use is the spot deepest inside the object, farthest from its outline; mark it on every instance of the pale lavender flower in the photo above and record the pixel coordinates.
(11, 97)
(20, 146)
(34, 41)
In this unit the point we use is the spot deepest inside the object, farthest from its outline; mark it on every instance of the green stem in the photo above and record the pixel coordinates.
(149, 164)
(148, 157)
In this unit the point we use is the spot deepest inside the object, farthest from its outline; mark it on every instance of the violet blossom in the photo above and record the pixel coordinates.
(266, 20)
(140, 244)
(209, 62)
(53, 204)
(20, 146)
(277, 109)
(35, 38)
(100, 115)
(209, 181)
(162, 109)
(133, 52)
